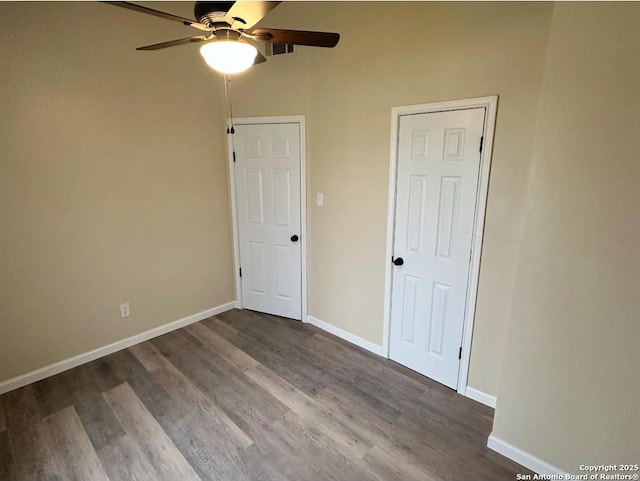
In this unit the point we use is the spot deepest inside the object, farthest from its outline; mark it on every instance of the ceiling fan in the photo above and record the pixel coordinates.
(227, 30)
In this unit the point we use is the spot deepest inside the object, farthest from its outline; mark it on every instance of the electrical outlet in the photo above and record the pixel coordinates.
(125, 310)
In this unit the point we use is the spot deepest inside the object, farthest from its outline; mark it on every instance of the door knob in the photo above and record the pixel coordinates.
(294, 238)
(398, 261)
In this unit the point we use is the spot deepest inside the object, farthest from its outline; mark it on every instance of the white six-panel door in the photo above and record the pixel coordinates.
(267, 182)
(437, 182)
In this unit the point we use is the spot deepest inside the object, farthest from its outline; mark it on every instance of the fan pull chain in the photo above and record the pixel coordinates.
(227, 96)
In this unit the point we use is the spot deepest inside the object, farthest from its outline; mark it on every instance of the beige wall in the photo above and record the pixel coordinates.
(569, 392)
(113, 182)
(390, 55)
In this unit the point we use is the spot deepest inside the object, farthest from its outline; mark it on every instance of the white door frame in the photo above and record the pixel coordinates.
(287, 119)
(490, 104)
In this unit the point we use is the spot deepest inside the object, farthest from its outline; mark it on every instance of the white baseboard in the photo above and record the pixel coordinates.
(347, 336)
(58, 367)
(524, 458)
(481, 397)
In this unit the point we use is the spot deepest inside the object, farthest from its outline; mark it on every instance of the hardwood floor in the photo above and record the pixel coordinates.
(244, 396)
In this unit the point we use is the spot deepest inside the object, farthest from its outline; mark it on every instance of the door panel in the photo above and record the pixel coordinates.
(267, 175)
(254, 196)
(437, 182)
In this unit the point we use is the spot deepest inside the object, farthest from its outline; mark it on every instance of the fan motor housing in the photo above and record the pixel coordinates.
(209, 13)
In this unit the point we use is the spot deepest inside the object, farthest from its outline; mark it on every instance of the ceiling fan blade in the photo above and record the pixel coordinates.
(173, 43)
(157, 13)
(296, 37)
(259, 59)
(248, 13)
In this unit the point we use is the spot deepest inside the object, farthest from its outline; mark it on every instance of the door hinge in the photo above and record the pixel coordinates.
(234, 156)
(460, 353)
(481, 142)
(240, 271)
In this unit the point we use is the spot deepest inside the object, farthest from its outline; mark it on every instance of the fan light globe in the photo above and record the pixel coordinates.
(228, 56)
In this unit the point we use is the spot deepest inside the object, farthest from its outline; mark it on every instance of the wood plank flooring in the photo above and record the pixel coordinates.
(244, 396)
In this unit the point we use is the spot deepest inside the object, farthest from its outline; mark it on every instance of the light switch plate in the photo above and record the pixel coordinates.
(319, 199)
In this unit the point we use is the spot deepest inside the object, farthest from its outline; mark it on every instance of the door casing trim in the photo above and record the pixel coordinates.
(286, 119)
(490, 104)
